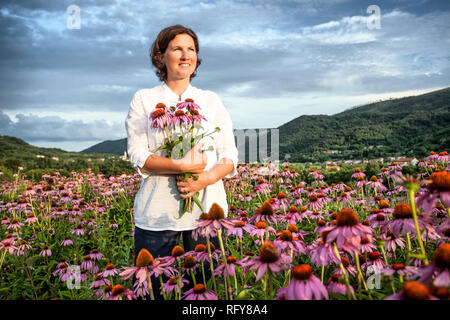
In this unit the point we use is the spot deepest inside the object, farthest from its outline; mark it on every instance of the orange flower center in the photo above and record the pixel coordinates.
(216, 212)
(383, 204)
(117, 289)
(302, 272)
(200, 248)
(286, 235)
(402, 211)
(158, 113)
(189, 262)
(266, 209)
(293, 228)
(144, 258)
(440, 181)
(268, 253)
(199, 288)
(442, 256)
(347, 217)
(177, 251)
(415, 290)
(398, 266)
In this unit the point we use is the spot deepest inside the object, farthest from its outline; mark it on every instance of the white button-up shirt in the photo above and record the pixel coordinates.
(157, 205)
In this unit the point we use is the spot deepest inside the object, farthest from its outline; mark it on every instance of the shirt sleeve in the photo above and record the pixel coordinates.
(225, 143)
(136, 125)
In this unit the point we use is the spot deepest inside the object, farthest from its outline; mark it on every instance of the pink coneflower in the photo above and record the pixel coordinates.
(208, 223)
(432, 156)
(268, 259)
(61, 268)
(322, 253)
(31, 219)
(412, 290)
(403, 222)
(78, 230)
(180, 118)
(100, 281)
(305, 285)
(367, 245)
(145, 263)
(293, 215)
(314, 203)
(315, 215)
(347, 266)
(438, 188)
(190, 264)
(199, 292)
(296, 232)
(334, 285)
(358, 173)
(238, 228)
(401, 269)
(188, 104)
(200, 252)
(377, 218)
(196, 116)
(281, 201)
(14, 224)
(161, 116)
(376, 183)
(348, 231)
(22, 247)
(344, 197)
(374, 259)
(46, 252)
(298, 200)
(66, 242)
(260, 230)
(361, 182)
(95, 255)
(439, 271)
(171, 284)
(118, 292)
(110, 270)
(264, 213)
(231, 264)
(442, 157)
(89, 265)
(286, 240)
(262, 186)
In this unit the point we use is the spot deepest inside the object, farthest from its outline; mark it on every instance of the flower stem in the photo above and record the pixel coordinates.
(416, 223)
(344, 273)
(227, 278)
(211, 265)
(150, 288)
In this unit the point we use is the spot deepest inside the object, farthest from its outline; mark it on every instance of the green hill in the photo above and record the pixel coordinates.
(15, 153)
(405, 126)
(109, 146)
(395, 127)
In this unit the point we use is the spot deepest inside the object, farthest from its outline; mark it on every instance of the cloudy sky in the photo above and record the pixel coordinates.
(269, 60)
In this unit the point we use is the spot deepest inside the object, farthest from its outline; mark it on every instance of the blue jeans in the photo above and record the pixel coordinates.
(161, 243)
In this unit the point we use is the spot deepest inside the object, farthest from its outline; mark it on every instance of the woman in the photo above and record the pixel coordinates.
(157, 208)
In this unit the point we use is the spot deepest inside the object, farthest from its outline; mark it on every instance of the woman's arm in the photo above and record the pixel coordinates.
(194, 161)
(222, 168)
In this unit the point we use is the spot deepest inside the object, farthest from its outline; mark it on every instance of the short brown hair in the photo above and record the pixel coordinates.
(162, 42)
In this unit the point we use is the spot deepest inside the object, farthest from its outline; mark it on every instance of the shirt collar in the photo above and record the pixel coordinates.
(173, 97)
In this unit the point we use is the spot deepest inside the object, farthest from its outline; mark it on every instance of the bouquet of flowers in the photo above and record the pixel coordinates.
(182, 129)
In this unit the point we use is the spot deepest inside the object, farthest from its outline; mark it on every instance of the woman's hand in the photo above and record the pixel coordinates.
(191, 185)
(194, 161)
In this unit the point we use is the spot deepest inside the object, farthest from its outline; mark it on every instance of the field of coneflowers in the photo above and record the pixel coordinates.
(377, 237)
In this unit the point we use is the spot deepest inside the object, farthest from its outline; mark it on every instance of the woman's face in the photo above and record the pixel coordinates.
(180, 57)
